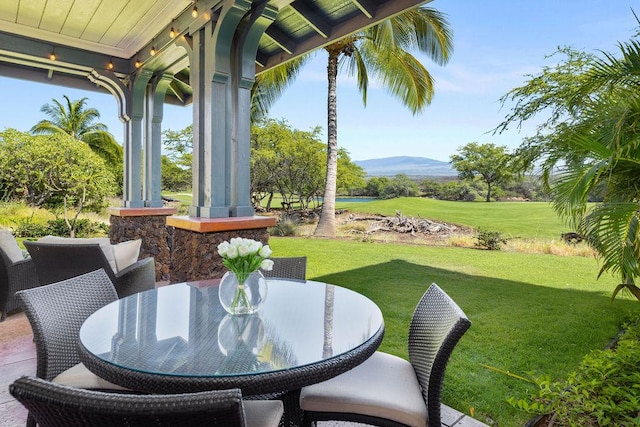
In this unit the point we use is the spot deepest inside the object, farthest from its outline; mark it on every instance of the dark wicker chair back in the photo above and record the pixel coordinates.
(60, 262)
(54, 405)
(56, 262)
(294, 268)
(56, 313)
(14, 277)
(436, 327)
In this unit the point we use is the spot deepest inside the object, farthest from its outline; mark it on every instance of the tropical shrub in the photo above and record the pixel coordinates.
(491, 240)
(431, 188)
(28, 228)
(286, 226)
(458, 191)
(52, 171)
(175, 177)
(603, 390)
(84, 227)
(375, 185)
(399, 186)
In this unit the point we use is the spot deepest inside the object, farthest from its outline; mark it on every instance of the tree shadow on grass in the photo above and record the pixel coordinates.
(517, 327)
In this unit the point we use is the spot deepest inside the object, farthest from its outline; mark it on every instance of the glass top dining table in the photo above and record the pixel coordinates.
(178, 338)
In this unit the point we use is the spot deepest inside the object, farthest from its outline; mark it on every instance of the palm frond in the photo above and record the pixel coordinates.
(357, 66)
(270, 85)
(45, 127)
(610, 71)
(427, 31)
(613, 229)
(402, 74)
(105, 145)
(571, 187)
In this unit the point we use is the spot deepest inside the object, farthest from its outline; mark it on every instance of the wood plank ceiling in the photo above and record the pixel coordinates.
(115, 34)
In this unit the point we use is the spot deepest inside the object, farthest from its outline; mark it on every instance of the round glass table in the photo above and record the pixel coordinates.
(178, 338)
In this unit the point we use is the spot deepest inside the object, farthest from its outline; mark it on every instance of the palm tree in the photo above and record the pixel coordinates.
(78, 122)
(605, 146)
(383, 52)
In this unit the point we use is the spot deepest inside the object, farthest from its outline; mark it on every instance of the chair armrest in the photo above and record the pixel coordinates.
(25, 262)
(21, 275)
(137, 277)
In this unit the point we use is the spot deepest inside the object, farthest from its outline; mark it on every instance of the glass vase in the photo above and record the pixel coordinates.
(239, 296)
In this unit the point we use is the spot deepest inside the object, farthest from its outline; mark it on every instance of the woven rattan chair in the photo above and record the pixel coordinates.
(294, 268)
(389, 391)
(56, 313)
(56, 262)
(14, 276)
(54, 405)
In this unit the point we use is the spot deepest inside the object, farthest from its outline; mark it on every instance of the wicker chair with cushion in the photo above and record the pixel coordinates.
(15, 274)
(56, 313)
(294, 268)
(390, 391)
(55, 262)
(54, 405)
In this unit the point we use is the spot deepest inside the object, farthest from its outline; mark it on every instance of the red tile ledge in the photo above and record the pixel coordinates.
(115, 211)
(211, 225)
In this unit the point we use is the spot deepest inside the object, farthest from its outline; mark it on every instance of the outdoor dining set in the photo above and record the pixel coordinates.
(114, 347)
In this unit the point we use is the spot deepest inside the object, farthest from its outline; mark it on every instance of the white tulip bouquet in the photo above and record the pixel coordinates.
(243, 257)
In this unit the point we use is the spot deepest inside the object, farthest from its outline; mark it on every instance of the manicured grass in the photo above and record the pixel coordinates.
(529, 313)
(513, 219)
(183, 196)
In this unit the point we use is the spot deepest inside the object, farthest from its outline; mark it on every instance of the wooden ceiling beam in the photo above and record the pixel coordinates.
(367, 7)
(312, 16)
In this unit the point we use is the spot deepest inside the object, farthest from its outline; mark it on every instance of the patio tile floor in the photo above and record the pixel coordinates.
(18, 357)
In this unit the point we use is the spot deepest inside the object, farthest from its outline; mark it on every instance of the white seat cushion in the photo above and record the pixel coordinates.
(126, 253)
(259, 413)
(383, 386)
(79, 376)
(10, 246)
(104, 243)
(263, 413)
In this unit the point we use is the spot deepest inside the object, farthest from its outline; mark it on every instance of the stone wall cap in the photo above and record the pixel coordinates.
(119, 211)
(212, 225)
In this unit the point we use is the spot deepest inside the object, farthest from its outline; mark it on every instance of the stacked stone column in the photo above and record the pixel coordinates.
(183, 248)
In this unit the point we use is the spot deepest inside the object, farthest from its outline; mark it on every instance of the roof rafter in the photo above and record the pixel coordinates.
(312, 16)
(366, 6)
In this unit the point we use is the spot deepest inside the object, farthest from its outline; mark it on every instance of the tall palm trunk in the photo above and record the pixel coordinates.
(327, 223)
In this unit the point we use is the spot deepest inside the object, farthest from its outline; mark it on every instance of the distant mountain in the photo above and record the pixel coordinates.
(411, 166)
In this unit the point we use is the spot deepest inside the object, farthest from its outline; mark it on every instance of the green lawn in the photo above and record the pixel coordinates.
(529, 313)
(529, 220)
(514, 219)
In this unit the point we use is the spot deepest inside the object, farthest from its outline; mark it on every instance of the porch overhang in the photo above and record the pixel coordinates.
(118, 35)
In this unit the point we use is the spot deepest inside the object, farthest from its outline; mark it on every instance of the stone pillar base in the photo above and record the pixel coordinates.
(148, 224)
(194, 254)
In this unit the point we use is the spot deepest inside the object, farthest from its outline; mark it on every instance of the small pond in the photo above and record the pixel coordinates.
(351, 199)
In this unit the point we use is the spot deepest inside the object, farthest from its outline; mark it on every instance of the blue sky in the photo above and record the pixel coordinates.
(497, 42)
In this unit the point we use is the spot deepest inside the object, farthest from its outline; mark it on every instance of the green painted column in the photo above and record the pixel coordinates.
(222, 62)
(132, 197)
(152, 186)
(244, 54)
